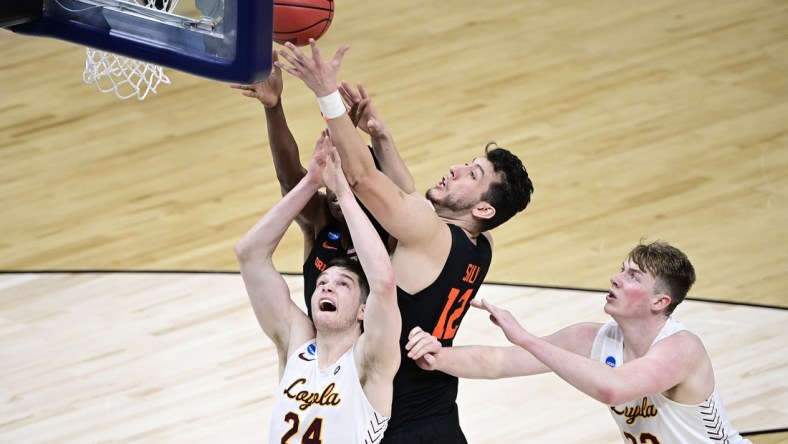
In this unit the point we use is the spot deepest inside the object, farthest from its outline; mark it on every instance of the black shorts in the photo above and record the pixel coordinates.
(443, 430)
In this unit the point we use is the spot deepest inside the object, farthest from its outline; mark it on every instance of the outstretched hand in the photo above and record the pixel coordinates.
(362, 112)
(269, 91)
(514, 332)
(333, 176)
(319, 75)
(317, 164)
(423, 348)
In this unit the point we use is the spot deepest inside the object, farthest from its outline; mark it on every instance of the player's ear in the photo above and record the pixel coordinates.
(483, 210)
(360, 313)
(662, 302)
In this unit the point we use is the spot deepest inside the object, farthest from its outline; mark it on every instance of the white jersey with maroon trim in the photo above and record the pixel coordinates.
(656, 419)
(325, 406)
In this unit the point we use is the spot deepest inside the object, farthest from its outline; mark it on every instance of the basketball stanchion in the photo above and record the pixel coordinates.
(124, 76)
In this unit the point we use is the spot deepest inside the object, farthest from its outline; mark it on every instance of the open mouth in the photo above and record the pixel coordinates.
(326, 305)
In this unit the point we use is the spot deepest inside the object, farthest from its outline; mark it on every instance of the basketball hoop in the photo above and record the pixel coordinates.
(124, 76)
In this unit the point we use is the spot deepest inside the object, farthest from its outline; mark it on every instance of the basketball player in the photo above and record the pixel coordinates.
(655, 375)
(335, 381)
(323, 228)
(443, 250)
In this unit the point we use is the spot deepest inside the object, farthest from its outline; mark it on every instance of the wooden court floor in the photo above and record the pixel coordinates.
(657, 120)
(178, 357)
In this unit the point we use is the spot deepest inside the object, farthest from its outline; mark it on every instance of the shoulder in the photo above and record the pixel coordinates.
(679, 333)
(301, 338)
(680, 346)
(684, 337)
(589, 330)
(577, 338)
(585, 330)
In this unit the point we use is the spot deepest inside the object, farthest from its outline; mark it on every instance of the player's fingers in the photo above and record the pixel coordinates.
(324, 141)
(274, 60)
(299, 55)
(286, 68)
(362, 91)
(284, 55)
(412, 341)
(490, 307)
(315, 50)
(345, 94)
(420, 348)
(430, 359)
(350, 92)
(477, 303)
(415, 340)
(341, 53)
(414, 349)
(347, 87)
(335, 155)
(414, 331)
(362, 107)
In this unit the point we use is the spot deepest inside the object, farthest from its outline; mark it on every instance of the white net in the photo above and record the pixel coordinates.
(124, 76)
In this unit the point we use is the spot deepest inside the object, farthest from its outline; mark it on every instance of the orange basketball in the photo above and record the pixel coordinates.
(297, 21)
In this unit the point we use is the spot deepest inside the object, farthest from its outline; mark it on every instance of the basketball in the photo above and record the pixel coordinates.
(297, 21)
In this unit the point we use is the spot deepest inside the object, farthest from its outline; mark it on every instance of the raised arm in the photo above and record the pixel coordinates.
(284, 149)
(471, 361)
(379, 345)
(409, 219)
(667, 363)
(367, 118)
(377, 350)
(492, 362)
(279, 317)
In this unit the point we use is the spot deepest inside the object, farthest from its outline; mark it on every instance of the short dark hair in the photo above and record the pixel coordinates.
(512, 190)
(354, 267)
(671, 268)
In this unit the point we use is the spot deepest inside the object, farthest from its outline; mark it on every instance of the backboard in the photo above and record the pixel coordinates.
(226, 40)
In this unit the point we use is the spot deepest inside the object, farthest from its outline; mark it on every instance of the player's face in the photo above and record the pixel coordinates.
(631, 291)
(335, 303)
(464, 186)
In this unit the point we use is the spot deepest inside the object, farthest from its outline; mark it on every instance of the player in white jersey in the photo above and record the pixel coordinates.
(654, 374)
(657, 418)
(336, 383)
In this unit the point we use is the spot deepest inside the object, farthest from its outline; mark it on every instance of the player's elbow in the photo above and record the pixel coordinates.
(385, 284)
(609, 395)
(390, 284)
(242, 250)
(361, 178)
(356, 180)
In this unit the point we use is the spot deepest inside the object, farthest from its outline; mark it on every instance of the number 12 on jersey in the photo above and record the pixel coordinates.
(446, 327)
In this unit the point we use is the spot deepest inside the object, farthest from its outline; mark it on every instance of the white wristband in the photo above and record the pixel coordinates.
(331, 106)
